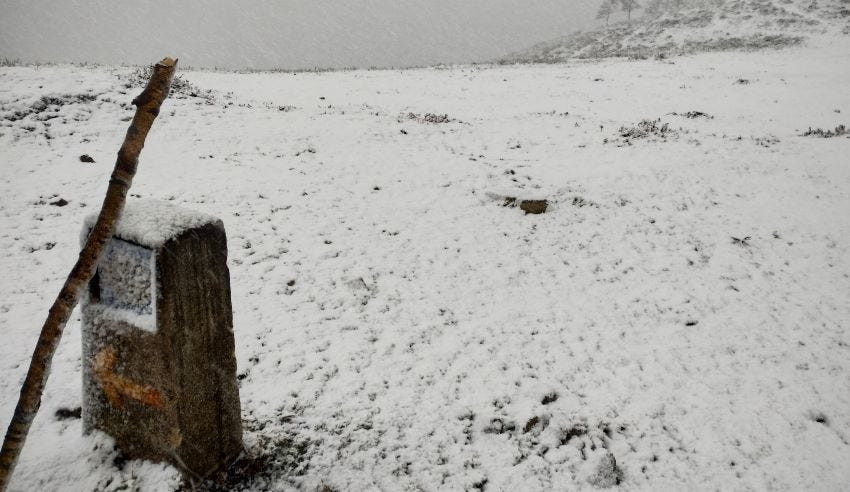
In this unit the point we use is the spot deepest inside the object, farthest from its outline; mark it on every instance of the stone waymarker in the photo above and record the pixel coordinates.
(159, 365)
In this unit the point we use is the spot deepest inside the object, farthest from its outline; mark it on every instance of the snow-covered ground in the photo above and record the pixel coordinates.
(398, 328)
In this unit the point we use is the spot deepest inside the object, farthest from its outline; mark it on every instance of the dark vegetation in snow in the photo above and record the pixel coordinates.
(53, 199)
(647, 128)
(766, 141)
(693, 115)
(180, 87)
(65, 413)
(277, 451)
(839, 131)
(650, 130)
(428, 118)
(46, 107)
(51, 114)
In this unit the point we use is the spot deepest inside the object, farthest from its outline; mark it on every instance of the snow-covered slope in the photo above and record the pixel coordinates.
(676, 320)
(700, 26)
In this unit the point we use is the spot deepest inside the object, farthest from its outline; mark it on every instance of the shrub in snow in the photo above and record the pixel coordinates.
(767, 141)
(430, 118)
(820, 132)
(694, 114)
(180, 87)
(647, 128)
(45, 107)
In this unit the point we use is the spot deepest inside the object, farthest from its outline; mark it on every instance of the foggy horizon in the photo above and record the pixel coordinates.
(295, 34)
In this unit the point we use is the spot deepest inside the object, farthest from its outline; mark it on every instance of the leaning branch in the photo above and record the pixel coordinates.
(147, 109)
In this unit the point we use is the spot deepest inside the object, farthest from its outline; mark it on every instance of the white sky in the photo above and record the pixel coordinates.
(282, 33)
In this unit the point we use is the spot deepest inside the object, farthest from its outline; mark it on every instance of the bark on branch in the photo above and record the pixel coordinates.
(147, 109)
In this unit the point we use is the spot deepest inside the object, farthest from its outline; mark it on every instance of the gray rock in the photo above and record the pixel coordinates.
(608, 474)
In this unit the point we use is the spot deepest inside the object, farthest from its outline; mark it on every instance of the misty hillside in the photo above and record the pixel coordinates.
(698, 26)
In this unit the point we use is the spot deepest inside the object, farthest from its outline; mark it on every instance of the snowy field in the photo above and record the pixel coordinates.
(676, 320)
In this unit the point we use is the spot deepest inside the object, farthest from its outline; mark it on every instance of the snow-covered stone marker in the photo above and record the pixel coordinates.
(159, 365)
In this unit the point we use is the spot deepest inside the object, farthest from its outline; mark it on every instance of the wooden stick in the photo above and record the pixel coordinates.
(147, 109)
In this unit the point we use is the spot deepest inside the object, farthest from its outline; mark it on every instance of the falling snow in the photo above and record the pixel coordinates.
(676, 319)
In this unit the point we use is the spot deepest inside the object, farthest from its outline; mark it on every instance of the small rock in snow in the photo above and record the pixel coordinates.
(608, 474)
(533, 206)
(65, 413)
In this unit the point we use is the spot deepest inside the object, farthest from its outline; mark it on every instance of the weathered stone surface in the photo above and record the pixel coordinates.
(159, 366)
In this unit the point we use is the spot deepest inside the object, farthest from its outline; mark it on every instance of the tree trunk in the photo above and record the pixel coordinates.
(147, 109)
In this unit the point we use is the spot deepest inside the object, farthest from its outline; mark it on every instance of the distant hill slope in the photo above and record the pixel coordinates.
(708, 25)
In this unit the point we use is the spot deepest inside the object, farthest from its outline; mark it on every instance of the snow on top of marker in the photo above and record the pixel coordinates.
(153, 222)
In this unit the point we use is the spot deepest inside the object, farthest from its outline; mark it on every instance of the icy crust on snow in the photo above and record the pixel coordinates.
(151, 223)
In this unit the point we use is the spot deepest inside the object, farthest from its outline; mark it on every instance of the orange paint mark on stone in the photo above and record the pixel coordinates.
(115, 386)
